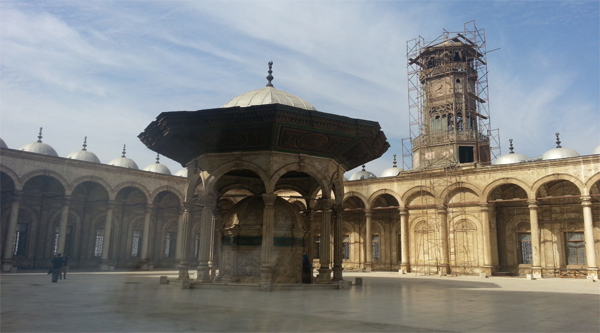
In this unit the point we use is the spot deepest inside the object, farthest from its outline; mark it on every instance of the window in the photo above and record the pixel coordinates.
(524, 248)
(376, 248)
(317, 246)
(55, 242)
(196, 245)
(68, 242)
(170, 245)
(575, 248)
(21, 234)
(465, 154)
(346, 247)
(135, 243)
(99, 242)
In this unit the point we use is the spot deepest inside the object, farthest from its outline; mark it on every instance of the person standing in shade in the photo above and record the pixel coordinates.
(64, 268)
(57, 264)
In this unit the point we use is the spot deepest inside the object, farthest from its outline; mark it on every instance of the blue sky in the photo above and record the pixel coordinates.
(106, 69)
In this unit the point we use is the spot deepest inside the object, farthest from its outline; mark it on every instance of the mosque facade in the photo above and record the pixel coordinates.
(466, 215)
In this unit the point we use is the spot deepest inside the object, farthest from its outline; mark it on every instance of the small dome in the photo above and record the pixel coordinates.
(39, 147)
(393, 171)
(182, 173)
(157, 167)
(83, 154)
(511, 157)
(596, 151)
(268, 95)
(124, 162)
(363, 174)
(557, 153)
(3, 144)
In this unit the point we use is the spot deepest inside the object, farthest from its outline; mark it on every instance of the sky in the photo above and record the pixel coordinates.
(106, 69)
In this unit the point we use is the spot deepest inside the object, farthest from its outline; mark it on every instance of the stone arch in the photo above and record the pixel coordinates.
(94, 179)
(557, 176)
(448, 192)
(305, 168)
(357, 195)
(210, 179)
(418, 191)
(13, 176)
(595, 179)
(48, 173)
(373, 197)
(513, 181)
(118, 188)
(165, 188)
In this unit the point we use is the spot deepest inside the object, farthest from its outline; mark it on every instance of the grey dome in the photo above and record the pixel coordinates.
(124, 162)
(557, 153)
(511, 158)
(3, 144)
(363, 174)
(268, 95)
(157, 167)
(393, 171)
(39, 147)
(83, 154)
(182, 173)
(596, 150)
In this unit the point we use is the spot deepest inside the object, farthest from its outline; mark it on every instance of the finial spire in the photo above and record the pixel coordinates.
(270, 77)
(123, 151)
(395, 166)
(84, 144)
(557, 140)
(511, 146)
(363, 167)
(40, 136)
(157, 158)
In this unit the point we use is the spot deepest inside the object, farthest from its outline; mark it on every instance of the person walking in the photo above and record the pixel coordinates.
(57, 264)
(64, 268)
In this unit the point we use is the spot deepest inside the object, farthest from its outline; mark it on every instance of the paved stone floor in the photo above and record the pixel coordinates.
(386, 302)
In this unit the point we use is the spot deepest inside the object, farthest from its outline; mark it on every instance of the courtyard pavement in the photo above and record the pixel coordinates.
(386, 302)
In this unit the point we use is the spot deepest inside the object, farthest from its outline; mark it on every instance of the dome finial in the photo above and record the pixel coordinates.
(157, 158)
(40, 136)
(511, 146)
(270, 77)
(557, 140)
(84, 144)
(395, 166)
(363, 166)
(123, 151)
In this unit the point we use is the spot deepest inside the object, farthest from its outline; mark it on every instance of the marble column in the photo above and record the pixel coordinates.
(62, 227)
(184, 238)
(325, 260)
(588, 234)
(106, 239)
(368, 241)
(214, 240)
(208, 204)
(338, 247)
(9, 243)
(309, 239)
(146, 238)
(487, 244)
(405, 260)
(268, 232)
(444, 263)
(536, 268)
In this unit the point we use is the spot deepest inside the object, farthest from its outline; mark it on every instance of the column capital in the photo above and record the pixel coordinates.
(207, 201)
(368, 213)
(532, 203)
(111, 204)
(441, 209)
(187, 205)
(484, 206)
(586, 200)
(67, 200)
(269, 198)
(326, 203)
(18, 196)
(403, 211)
(149, 208)
(338, 209)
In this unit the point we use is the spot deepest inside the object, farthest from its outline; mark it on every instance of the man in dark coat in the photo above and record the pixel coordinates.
(57, 264)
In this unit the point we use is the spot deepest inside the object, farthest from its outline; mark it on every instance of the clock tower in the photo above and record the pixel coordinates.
(446, 78)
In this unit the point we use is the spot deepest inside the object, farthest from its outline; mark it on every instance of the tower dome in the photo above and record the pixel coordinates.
(559, 152)
(182, 173)
(268, 95)
(393, 171)
(124, 162)
(596, 150)
(3, 144)
(39, 147)
(511, 157)
(363, 174)
(157, 167)
(83, 154)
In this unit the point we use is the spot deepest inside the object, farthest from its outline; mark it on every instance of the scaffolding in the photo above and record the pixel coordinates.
(475, 66)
